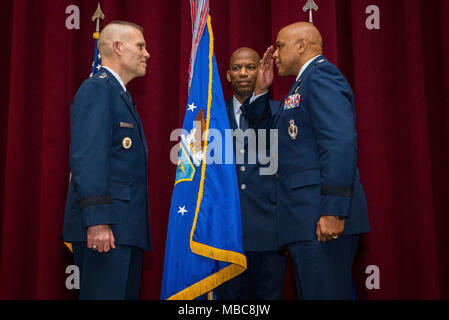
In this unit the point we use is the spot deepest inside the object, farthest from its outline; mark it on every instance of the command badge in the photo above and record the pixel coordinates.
(292, 130)
(127, 142)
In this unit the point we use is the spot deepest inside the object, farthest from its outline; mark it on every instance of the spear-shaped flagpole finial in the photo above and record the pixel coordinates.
(310, 5)
(97, 16)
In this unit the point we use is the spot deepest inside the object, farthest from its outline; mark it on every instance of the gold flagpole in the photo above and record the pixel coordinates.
(210, 295)
(97, 16)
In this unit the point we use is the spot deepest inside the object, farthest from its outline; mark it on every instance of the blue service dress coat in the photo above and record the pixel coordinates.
(318, 172)
(108, 163)
(257, 200)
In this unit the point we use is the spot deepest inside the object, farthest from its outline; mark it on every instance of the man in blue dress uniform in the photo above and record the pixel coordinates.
(106, 215)
(321, 206)
(264, 278)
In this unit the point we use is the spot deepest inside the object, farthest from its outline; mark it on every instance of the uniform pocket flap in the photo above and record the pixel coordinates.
(120, 191)
(304, 178)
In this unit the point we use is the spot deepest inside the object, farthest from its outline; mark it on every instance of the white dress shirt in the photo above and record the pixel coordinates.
(237, 111)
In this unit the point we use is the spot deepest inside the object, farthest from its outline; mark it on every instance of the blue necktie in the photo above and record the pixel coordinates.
(243, 123)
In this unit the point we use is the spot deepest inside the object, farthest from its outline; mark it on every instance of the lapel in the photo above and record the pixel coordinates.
(233, 120)
(141, 132)
(281, 107)
(295, 86)
(231, 116)
(130, 106)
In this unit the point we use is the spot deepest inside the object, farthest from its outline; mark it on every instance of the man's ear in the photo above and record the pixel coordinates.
(302, 44)
(228, 76)
(117, 47)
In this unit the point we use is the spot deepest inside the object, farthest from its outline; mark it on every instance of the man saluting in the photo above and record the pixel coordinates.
(321, 205)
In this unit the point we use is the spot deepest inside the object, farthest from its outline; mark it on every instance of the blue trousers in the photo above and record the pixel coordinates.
(324, 270)
(262, 280)
(113, 275)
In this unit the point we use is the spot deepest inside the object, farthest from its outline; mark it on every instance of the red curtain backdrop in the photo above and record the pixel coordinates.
(400, 77)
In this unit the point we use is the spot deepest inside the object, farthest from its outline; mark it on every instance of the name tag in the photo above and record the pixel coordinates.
(292, 101)
(126, 125)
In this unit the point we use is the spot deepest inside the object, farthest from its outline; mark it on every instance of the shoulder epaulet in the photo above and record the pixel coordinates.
(100, 76)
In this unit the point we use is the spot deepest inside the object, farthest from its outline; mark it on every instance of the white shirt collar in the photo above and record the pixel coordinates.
(236, 104)
(237, 111)
(304, 67)
(116, 76)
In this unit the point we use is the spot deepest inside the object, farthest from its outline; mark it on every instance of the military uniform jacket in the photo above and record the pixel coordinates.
(108, 163)
(257, 199)
(318, 172)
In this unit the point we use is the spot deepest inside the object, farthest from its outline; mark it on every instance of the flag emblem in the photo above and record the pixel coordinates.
(204, 238)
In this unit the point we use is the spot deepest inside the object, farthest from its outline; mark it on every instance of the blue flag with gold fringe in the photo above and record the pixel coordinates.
(204, 238)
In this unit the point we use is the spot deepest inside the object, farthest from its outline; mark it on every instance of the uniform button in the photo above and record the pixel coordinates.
(276, 176)
(276, 133)
(242, 168)
(242, 151)
(243, 186)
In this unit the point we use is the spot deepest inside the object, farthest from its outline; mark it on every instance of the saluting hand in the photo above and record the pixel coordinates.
(100, 238)
(265, 72)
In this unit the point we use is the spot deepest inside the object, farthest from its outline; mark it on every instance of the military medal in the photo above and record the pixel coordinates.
(127, 142)
(292, 101)
(292, 130)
